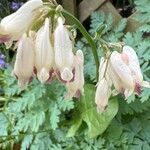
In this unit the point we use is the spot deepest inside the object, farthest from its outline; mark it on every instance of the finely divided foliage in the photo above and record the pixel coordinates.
(39, 118)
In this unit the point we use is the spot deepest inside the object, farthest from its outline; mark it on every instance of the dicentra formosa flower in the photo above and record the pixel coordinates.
(44, 53)
(63, 52)
(13, 26)
(75, 88)
(24, 63)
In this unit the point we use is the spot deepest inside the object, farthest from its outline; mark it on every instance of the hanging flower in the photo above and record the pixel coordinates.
(102, 95)
(44, 54)
(75, 88)
(63, 52)
(121, 75)
(24, 63)
(130, 58)
(13, 26)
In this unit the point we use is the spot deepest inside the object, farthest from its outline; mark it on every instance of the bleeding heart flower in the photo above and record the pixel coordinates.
(24, 63)
(75, 88)
(13, 26)
(44, 53)
(102, 95)
(63, 52)
(122, 70)
(133, 63)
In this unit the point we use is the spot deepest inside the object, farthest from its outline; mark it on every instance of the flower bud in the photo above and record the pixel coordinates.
(102, 95)
(44, 54)
(17, 23)
(75, 88)
(24, 63)
(63, 51)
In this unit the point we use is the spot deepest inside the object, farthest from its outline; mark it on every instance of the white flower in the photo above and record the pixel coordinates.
(75, 88)
(63, 51)
(14, 25)
(130, 58)
(122, 70)
(44, 54)
(24, 64)
(102, 95)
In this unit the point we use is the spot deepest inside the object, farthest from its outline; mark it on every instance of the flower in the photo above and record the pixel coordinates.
(63, 52)
(44, 53)
(130, 58)
(2, 61)
(121, 70)
(24, 64)
(102, 95)
(13, 26)
(75, 88)
(16, 5)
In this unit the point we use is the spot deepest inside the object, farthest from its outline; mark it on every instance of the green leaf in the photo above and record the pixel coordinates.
(97, 123)
(54, 116)
(26, 142)
(74, 127)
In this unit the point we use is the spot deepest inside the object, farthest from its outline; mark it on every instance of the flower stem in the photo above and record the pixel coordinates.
(87, 36)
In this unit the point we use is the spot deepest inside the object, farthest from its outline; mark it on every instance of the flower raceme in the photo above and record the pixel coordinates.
(45, 53)
(123, 71)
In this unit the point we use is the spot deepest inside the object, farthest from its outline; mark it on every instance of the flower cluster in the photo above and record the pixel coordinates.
(45, 53)
(122, 70)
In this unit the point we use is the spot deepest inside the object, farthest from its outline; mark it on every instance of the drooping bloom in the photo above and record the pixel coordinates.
(75, 88)
(103, 90)
(44, 54)
(63, 52)
(13, 26)
(102, 95)
(130, 58)
(121, 73)
(24, 64)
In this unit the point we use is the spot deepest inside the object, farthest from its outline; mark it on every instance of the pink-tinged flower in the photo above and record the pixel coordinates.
(24, 63)
(63, 52)
(75, 88)
(102, 95)
(44, 54)
(14, 25)
(122, 70)
(130, 58)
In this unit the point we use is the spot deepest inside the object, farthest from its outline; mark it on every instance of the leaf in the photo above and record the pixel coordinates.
(54, 116)
(74, 127)
(97, 123)
(41, 142)
(65, 104)
(26, 142)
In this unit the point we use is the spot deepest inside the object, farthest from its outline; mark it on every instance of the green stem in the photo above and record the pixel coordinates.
(87, 36)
